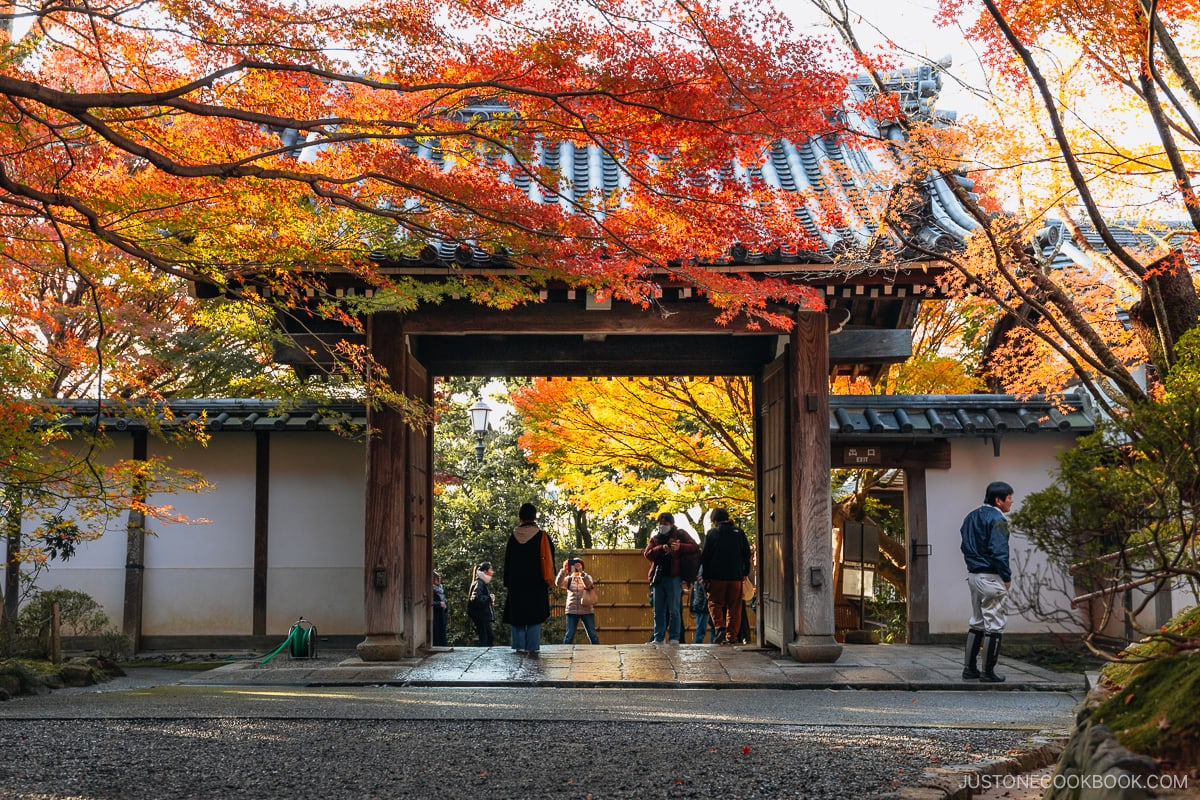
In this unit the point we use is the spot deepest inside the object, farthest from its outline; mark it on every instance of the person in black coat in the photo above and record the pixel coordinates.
(527, 604)
(479, 604)
(725, 561)
(440, 611)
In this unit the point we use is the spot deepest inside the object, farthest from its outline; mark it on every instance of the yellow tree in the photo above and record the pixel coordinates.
(672, 444)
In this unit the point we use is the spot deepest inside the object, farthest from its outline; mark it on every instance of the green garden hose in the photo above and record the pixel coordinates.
(301, 641)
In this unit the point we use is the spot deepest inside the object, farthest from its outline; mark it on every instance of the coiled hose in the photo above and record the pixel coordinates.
(301, 641)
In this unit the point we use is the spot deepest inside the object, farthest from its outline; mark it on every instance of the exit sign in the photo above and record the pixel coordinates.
(863, 455)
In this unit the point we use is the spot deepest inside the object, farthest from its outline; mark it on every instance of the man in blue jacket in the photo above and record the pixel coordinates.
(985, 549)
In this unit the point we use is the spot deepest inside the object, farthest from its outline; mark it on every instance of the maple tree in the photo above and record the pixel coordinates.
(258, 143)
(1088, 149)
(148, 146)
(74, 326)
(650, 443)
(1112, 175)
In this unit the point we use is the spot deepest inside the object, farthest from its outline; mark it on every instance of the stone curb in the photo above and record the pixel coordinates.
(952, 783)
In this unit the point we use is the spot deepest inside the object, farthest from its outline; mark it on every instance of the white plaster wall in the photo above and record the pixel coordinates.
(317, 540)
(98, 566)
(200, 576)
(1025, 462)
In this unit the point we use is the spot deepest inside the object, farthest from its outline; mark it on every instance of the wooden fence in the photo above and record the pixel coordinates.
(624, 614)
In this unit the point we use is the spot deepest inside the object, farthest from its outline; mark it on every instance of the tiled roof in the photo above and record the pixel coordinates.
(872, 417)
(944, 416)
(818, 170)
(217, 415)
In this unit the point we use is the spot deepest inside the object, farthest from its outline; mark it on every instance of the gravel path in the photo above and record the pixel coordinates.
(321, 759)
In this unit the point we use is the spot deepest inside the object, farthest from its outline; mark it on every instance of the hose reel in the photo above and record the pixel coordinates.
(301, 641)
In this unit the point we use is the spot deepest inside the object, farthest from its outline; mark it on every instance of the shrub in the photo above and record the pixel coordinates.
(78, 613)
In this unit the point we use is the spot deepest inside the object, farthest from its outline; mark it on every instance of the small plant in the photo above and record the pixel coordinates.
(115, 645)
(78, 613)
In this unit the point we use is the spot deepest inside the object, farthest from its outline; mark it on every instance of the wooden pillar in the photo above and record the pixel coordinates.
(917, 573)
(135, 555)
(386, 499)
(812, 512)
(262, 521)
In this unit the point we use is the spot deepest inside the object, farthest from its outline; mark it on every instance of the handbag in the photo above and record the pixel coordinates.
(547, 560)
(748, 590)
(590, 596)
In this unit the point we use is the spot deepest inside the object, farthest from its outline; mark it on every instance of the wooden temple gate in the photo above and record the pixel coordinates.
(572, 333)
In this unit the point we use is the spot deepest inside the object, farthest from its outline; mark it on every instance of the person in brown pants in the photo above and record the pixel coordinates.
(724, 562)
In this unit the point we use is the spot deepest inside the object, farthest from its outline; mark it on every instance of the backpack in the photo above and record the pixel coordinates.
(689, 566)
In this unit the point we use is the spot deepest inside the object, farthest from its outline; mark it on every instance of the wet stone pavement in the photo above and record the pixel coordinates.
(896, 667)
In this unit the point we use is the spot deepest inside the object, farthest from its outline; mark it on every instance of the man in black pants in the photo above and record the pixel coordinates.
(985, 550)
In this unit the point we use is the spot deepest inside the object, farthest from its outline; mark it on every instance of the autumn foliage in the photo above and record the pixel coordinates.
(253, 143)
(612, 445)
(1098, 103)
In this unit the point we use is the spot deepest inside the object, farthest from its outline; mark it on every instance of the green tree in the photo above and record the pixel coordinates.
(476, 503)
(1123, 514)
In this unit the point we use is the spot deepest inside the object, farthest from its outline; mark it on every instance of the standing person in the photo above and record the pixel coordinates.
(725, 561)
(480, 602)
(439, 611)
(985, 549)
(576, 581)
(528, 577)
(699, 609)
(663, 552)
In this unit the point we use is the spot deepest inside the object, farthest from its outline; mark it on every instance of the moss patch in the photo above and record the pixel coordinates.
(31, 675)
(1157, 713)
(1139, 656)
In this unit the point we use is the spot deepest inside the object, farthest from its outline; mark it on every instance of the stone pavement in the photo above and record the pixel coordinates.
(882, 667)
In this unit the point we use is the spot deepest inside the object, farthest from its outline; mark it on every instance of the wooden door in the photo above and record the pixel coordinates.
(775, 580)
(418, 533)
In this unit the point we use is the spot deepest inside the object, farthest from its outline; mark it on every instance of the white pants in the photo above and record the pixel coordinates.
(988, 597)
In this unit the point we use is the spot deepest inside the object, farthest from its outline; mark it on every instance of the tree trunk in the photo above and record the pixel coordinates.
(583, 534)
(1180, 307)
(12, 568)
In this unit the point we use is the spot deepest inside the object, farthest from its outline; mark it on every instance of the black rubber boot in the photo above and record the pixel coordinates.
(989, 660)
(971, 661)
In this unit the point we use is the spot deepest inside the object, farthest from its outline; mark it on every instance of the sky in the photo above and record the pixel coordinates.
(909, 23)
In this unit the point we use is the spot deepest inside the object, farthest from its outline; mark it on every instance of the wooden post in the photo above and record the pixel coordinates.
(386, 499)
(812, 512)
(135, 555)
(262, 527)
(917, 530)
(55, 634)
(12, 565)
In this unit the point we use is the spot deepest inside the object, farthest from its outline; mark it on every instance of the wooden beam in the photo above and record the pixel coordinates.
(572, 317)
(870, 346)
(501, 353)
(574, 356)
